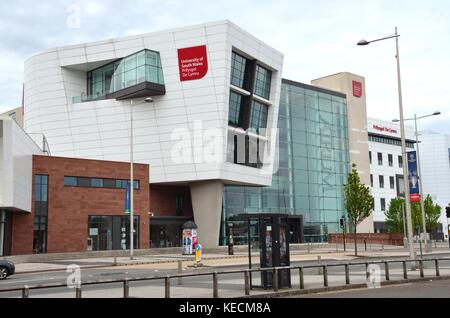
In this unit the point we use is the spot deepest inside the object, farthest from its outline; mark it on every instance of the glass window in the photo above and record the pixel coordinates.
(234, 109)
(70, 181)
(391, 182)
(238, 64)
(96, 182)
(400, 162)
(380, 159)
(109, 183)
(383, 204)
(258, 116)
(371, 180)
(83, 182)
(262, 82)
(381, 181)
(40, 213)
(370, 157)
(390, 160)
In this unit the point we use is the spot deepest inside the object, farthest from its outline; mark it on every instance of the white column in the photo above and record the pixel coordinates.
(207, 199)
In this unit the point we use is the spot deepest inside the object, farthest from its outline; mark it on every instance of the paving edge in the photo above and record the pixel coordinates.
(288, 293)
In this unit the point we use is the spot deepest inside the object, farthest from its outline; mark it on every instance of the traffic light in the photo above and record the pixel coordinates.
(447, 211)
(342, 223)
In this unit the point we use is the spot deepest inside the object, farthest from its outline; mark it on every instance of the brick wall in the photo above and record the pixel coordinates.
(374, 238)
(69, 207)
(163, 200)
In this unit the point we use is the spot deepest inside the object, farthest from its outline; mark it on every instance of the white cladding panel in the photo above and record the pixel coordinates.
(101, 129)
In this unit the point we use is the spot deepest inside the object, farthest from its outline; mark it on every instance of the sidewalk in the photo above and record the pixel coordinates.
(221, 258)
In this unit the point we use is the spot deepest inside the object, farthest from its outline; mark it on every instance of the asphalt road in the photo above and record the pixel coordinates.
(430, 289)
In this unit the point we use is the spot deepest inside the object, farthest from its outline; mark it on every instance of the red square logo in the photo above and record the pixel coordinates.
(192, 63)
(357, 88)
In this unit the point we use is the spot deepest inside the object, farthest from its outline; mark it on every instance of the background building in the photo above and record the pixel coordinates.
(386, 165)
(435, 166)
(16, 114)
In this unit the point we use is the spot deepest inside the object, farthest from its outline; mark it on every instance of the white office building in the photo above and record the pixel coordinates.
(386, 164)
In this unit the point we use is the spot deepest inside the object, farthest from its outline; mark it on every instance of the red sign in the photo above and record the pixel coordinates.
(387, 129)
(192, 63)
(414, 197)
(357, 88)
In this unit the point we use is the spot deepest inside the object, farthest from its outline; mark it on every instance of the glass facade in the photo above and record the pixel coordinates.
(390, 141)
(99, 182)
(313, 160)
(140, 67)
(262, 82)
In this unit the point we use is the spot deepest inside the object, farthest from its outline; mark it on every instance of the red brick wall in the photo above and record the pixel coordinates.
(163, 200)
(374, 238)
(69, 207)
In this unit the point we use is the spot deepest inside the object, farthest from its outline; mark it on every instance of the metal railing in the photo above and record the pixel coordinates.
(25, 290)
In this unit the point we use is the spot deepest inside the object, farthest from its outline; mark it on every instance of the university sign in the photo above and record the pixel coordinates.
(192, 63)
(384, 129)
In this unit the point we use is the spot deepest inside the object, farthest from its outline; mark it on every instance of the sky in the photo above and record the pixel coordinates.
(317, 38)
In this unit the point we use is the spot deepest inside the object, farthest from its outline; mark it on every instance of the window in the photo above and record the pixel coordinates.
(380, 159)
(235, 109)
(370, 157)
(390, 160)
(238, 64)
(258, 116)
(390, 141)
(391, 182)
(371, 180)
(40, 213)
(99, 182)
(262, 82)
(179, 205)
(383, 204)
(381, 181)
(400, 162)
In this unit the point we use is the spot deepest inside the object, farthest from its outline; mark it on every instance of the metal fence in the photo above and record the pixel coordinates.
(322, 269)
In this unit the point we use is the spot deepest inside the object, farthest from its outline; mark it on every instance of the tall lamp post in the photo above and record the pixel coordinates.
(402, 133)
(131, 184)
(422, 206)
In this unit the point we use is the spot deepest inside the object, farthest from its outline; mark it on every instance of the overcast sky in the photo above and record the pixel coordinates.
(317, 38)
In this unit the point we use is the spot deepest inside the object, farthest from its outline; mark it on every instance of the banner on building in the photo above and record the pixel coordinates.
(413, 177)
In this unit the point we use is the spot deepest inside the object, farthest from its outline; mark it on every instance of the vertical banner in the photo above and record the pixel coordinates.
(128, 198)
(413, 177)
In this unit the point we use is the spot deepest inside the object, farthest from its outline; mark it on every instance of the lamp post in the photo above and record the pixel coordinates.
(402, 133)
(131, 184)
(422, 205)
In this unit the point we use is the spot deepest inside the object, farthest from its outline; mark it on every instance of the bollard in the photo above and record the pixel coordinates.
(215, 285)
(436, 264)
(386, 270)
(78, 292)
(325, 276)
(115, 261)
(301, 277)
(421, 268)
(247, 282)
(180, 269)
(319, 262)
(126, 288)
(167, 286)
(365, 245)
(367, 272)
(347, 274)
(275, 279)
(25, 291)
(405, 271)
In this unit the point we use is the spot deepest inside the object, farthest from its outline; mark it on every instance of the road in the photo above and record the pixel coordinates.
(230, 285)
(430, 289)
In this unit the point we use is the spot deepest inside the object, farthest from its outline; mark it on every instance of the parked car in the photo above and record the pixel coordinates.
(7, 268)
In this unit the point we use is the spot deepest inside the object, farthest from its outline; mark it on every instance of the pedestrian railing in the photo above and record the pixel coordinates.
(246, 275)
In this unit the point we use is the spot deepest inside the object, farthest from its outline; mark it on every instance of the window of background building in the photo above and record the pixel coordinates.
(381, 181)
(390, 160)
(235, 109)
(238, 64)
(383, 204)
(370, 157)
(392, 182)
(400, 162)
(262, 82)
(380, 159)
(40, 213)
(371, 180)
(258, 116)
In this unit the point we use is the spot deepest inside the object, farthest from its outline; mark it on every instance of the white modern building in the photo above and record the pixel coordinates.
(386, 164)
(187, 87)
(435, 166)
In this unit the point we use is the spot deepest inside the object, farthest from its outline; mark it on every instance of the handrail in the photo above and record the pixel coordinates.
(215, 275)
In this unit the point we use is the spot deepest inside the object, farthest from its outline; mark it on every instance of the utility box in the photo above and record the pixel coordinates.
(190, 238)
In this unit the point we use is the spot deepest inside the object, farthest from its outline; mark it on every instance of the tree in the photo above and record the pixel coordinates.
(394, 215)
(358, 200)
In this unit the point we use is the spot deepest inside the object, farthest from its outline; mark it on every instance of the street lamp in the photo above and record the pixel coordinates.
(402, 134)
(422, 206)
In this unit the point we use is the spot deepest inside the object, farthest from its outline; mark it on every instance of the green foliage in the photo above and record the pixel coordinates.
(357, 198)
(394, 215)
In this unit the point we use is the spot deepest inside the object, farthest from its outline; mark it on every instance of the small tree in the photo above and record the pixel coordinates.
(394, 215)
(358, 200)
(432, 214)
